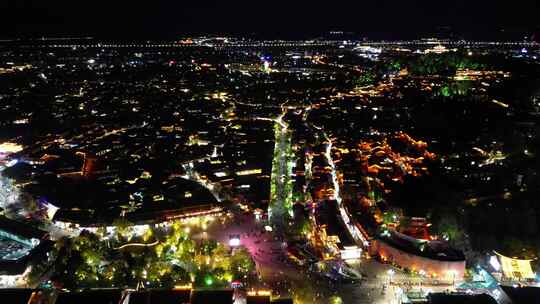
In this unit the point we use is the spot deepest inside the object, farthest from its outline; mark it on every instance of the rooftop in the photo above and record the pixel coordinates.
(436, 250)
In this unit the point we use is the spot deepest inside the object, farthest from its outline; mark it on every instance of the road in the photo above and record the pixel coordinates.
(377, 275)
(276, 271)
(281, 193)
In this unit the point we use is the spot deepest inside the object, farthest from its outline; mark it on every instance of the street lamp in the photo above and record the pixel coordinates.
(391, 273)
(234, 240)
(258, 214)
(453, 273)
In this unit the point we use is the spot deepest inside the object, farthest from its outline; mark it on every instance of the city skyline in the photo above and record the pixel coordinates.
(169, 19)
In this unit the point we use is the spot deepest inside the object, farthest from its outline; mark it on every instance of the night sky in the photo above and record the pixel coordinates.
(271, 18)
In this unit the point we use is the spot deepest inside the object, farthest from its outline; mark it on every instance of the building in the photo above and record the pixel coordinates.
(89, 166)
(444, 298)
(19, 295)
(19, 245)
(522, 294)
(104, 296)
(435, 259)
(151, 296)
(333, 233)
(160, 296)
(513, 269)
(224, 296)
(282, 301)
(256, 299)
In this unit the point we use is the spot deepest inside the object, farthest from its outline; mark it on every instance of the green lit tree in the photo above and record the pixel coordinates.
(367, 78)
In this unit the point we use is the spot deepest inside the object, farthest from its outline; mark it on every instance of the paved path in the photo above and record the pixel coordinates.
(275, 270)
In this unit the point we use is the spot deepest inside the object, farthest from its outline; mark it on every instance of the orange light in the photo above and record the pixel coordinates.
(183, 287)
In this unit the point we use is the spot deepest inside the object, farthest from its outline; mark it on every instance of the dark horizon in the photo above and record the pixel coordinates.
(331, 34)
(390, 20)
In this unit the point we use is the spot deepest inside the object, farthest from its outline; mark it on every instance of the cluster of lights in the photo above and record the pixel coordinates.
(9, 147)
(263, 292)
(137, 230)
(234, 241)
(449, 274)
(183, 287)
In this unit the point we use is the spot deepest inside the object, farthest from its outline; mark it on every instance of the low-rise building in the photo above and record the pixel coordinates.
(435, 259)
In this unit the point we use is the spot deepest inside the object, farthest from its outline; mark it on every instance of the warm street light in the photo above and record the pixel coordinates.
(391, 273)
